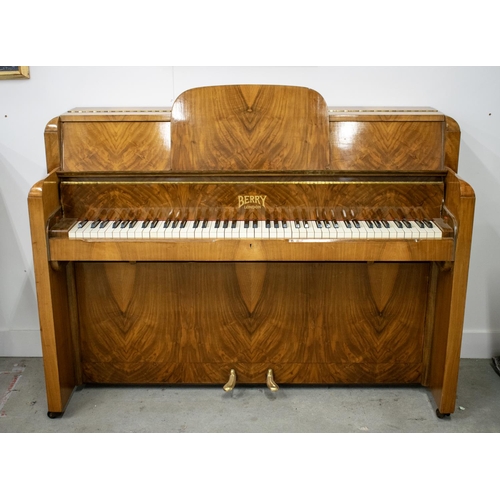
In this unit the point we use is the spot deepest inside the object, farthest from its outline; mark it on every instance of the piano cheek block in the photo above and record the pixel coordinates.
(275, 241)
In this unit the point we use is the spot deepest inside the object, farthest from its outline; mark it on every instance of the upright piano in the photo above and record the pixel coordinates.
(251, 234)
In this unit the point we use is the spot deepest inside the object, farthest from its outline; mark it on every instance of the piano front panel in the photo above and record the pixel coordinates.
(387, 145)
(310, 322)
(116, 145)
(258, 199)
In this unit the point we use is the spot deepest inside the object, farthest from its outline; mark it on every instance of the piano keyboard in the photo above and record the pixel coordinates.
(278, 229)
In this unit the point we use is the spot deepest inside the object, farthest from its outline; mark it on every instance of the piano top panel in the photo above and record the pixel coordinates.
(248, 128)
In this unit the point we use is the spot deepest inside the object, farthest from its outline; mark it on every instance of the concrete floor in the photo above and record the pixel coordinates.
(98, 409)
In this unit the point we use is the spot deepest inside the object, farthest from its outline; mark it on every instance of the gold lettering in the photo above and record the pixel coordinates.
(254, 200)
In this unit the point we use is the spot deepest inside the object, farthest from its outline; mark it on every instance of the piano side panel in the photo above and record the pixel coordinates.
(387, 145)
(193, 322)
(250, 127)
(107, 146)
(52, 297)
(52, 144)
(450, 301)
(452, 145)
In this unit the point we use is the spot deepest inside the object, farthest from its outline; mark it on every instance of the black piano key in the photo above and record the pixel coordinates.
(103, 224)
(319, 224)
(284, 224)
(132, 224)
(255, 224)
(217, 224)
(356, 224)
(276, 224)
(398, 223)
(386, 224)
(116, 223)
(378, 224)
(145, 224)
(154, 224)
(297, 224)
(225, 224)
(246, 225)
(82, 223)
(165, 225)
(183, 224)
(407, 223)
(306, 224)
(268, 224)
(428, 223)
(348, 224)
(335, 224)
(196, 223)
(233, 224)
(175, 224)
(204, 224)
(327, 224)
(124, 224)
(95, 224)
(420, 224)
(369, 223)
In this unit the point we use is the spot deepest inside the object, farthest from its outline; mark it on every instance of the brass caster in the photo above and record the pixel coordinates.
(273, 386)
(231, 382)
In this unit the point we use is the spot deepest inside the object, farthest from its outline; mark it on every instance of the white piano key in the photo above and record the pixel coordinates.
(168, 230)
(88, 229)
(219, 231)
(155, 230)
(260, 232)
(191, 229)
(92, 234)
(75, 230)
(369, 231)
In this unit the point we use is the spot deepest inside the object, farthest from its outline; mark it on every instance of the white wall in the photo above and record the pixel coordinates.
(471, 95)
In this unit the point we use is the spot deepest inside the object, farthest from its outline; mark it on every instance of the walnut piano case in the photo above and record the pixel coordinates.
(251, 235)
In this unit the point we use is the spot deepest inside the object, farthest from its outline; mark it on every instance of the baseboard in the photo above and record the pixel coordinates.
(480, 345)
(20, 343)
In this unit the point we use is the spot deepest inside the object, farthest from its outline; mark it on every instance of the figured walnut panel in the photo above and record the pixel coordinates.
(122, 200)
(191, 322)
(387, 145)
(249, 127)
(116, 146)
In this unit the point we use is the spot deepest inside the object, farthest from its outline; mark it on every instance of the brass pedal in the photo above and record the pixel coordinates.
(273, 386)
(229, 386)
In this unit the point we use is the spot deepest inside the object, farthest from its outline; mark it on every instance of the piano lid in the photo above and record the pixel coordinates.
(252, 128)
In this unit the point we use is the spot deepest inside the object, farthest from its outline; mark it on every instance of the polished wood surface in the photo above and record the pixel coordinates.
(309, 198)
(53, 307)
(121, 145)
(311, 323)
(385, 145)
(249, 127)
(191, 311)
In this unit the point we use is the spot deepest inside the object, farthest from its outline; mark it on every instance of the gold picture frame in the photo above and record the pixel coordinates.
(11, 72)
